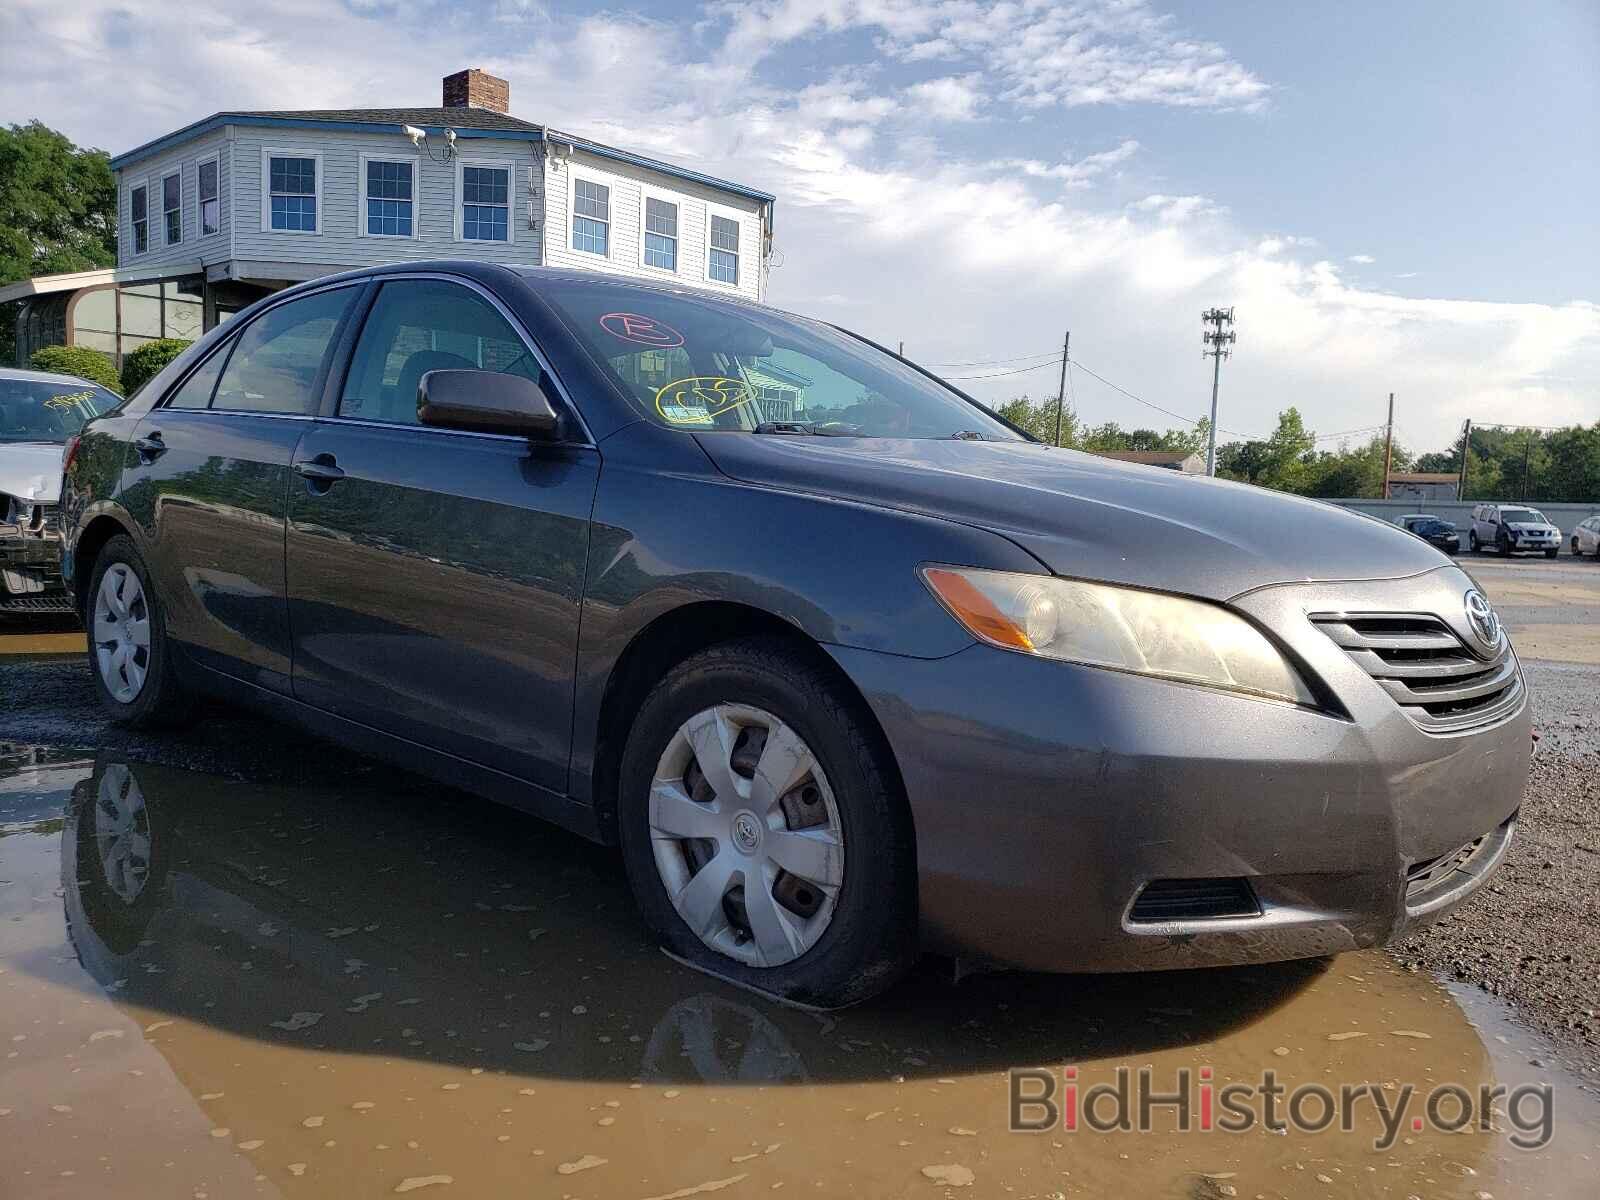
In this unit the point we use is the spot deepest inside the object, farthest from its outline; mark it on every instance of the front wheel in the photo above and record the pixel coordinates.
(763, 829)
(128, 651)
(1472, 542)
(1550, 553)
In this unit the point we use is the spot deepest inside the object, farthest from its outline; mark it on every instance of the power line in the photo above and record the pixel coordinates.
(995, 362)
(1049, 362)
(1078, 363)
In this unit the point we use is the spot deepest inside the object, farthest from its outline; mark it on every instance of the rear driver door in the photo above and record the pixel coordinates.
(209, 484)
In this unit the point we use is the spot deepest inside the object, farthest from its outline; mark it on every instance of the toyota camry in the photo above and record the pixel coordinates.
(847, 667)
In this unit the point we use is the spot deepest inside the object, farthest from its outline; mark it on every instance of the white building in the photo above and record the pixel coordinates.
(240, 204)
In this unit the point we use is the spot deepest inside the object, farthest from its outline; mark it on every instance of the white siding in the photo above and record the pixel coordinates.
(339, 241)
(628, 186)
(185, 160)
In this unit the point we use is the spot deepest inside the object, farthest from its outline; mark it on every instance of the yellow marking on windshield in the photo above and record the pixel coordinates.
(69, 400)
(699, 399)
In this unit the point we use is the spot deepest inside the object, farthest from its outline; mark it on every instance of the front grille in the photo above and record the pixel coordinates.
(1427, 670)
(1164, 900)
(56, 602)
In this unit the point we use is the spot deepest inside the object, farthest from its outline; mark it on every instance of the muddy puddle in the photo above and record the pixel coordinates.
(216, 989)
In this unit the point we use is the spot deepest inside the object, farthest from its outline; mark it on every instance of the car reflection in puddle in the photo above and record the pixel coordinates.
(353, 988)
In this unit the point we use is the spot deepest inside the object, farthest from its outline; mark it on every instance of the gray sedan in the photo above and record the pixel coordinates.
(848, 667)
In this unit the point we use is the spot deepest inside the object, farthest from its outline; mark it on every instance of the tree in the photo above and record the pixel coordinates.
(80, 361)
(58, 211)
(1039, 419)
(147, 361)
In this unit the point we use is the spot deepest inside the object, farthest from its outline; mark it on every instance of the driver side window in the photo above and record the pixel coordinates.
(422, 325)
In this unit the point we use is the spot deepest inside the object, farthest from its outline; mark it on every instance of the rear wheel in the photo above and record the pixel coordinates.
(764, 834)
(128, 649)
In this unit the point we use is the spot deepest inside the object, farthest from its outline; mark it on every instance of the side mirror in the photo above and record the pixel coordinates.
(486, 402)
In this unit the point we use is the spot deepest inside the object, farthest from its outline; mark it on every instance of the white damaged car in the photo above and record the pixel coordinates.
(39, 413)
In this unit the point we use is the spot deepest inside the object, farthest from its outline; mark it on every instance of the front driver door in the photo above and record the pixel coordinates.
(435, 576)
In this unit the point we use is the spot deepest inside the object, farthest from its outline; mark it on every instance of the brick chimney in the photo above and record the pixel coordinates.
(477, 89)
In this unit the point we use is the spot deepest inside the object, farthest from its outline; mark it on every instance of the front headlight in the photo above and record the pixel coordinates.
(1126, 629)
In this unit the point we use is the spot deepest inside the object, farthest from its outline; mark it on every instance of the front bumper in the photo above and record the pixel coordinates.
(30, 567)
(1047, 796)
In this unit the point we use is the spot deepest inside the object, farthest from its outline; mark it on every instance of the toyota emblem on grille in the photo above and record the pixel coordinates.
(1481, 618)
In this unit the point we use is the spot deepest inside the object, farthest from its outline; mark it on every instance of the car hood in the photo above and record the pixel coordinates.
(1531, 527)
(1087, 516)
(31, 471)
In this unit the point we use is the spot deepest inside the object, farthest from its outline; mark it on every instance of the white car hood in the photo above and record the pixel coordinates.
(31, 471)
(1531, 527)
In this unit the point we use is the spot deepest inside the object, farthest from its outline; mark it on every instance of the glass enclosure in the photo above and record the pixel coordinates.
(115, 319)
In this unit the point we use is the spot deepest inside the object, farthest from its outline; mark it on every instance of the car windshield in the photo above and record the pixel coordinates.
(36, 410)
(708, 367)
(1435, 527)
(1522, 516)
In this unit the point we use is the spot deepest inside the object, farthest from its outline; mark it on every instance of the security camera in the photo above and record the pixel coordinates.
(416, 135)
(450, 136)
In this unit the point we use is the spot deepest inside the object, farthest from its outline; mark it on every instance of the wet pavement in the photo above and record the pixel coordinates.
(211, 988)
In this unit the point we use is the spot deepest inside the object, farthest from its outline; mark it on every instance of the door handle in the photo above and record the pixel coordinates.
(150, 447)
(322, 469)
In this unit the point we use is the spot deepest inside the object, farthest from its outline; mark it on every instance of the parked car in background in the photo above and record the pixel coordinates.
(1512, 529)
(1410, 519)
(845, 678)
(1438, 533)
(1586, 537)
(39, 413)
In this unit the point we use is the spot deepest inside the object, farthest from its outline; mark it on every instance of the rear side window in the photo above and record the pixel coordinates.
(422, 325)
(277, 360)
(196, 390)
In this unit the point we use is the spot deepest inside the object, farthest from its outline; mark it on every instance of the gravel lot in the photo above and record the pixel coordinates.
(1532, 937)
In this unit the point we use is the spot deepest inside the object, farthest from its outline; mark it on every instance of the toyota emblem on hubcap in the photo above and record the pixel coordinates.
(746, 831)
(1482, 619)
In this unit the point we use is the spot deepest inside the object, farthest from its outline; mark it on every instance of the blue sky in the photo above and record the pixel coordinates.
(1395, 197)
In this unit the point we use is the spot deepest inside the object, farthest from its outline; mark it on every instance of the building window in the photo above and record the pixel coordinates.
(660, 234)
(390, 198)
(724, 264)
(139, 210)
(210, 204)
(172, 208)
(292, 193)
(485, 204)
(591, 217)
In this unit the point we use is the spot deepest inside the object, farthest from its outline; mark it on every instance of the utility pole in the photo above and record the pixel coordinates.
(902, 348)
(1527, 449)
(1061, 394)
(1466, 448)
(1388, 447)
(1218, 339)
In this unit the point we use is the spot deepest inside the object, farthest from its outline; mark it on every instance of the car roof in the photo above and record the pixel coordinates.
(42, 376)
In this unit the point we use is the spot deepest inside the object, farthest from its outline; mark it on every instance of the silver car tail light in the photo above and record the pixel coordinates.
(1437, 680)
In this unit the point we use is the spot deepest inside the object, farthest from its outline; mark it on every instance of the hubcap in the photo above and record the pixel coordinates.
(121, 632)
(122, 833)
(746, 835)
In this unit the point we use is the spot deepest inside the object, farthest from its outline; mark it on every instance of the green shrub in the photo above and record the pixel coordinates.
(80, 361)
(146, 362)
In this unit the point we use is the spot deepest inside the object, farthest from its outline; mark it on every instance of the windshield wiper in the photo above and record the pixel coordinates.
(967, 435)
(784, 427)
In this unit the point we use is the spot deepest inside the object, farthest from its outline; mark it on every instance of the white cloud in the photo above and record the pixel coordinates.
(1175, 210)
(1364, 259)
(965, 253)
(1079, 173)
(951, 98)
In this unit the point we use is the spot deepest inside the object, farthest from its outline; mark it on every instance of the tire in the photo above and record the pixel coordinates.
(144, 693)
(1552, 552)
(727, 694)
(1472, 542)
